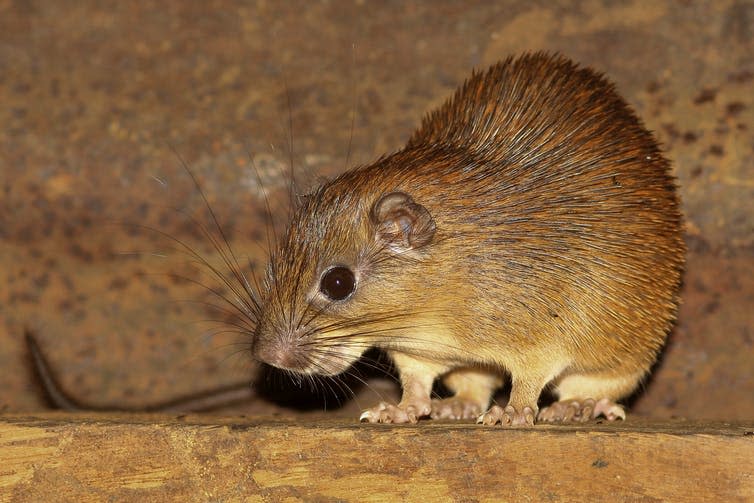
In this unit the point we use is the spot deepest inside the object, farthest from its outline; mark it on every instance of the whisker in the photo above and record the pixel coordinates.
(353, 108)
(200, 260)
(269, 220)
(221, 310)
(224, 249)
(249, 315)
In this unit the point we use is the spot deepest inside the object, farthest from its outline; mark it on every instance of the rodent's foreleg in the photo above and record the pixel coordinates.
(472, 390)
(417, 377)
(526, 386)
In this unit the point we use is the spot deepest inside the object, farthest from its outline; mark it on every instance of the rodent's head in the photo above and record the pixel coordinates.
(330, 291)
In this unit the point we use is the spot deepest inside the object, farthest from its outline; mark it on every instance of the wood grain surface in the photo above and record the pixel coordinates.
(100, 457)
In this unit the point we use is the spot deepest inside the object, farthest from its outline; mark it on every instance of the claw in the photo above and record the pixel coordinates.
(610, 410)
(581, 411)
(508, 416)
(455, 408)
(401, 413)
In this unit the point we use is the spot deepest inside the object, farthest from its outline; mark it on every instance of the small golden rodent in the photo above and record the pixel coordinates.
(529, 229)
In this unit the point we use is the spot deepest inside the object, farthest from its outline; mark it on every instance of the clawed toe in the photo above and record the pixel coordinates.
(401, 413)
(455, 408)
(568, 411)
(508, 416)
(609, 409)
(580, 411)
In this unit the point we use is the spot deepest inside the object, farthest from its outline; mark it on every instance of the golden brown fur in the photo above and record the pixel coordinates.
(555, 252)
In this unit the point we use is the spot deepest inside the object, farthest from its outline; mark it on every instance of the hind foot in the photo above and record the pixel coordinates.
(507, 416)
(455, 408)
(580, 411)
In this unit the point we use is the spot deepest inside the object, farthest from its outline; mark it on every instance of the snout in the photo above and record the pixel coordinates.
(282, 353)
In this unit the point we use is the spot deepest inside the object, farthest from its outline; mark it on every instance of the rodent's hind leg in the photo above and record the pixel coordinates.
(472, 391)
(417, 377)
(583, 397)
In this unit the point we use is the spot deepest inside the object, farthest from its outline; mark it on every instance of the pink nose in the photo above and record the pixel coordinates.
(286, 355)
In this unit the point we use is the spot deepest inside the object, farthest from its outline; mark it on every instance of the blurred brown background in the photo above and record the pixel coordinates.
(100, 100)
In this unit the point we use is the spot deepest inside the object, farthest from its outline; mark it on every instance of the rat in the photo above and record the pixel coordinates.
(529, 230)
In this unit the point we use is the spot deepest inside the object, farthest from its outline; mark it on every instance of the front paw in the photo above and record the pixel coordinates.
(401, 413)
(509, 416)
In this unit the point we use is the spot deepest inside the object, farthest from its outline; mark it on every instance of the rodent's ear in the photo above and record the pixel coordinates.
(401, 223)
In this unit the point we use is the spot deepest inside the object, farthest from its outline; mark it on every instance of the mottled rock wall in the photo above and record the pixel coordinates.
(102, 102)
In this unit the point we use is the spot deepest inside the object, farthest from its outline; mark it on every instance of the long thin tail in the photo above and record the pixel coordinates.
(196, 402)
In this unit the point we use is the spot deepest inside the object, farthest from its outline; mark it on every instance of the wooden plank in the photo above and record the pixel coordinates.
(96, 457)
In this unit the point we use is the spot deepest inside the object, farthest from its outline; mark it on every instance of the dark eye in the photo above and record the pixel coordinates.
(337, 283)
